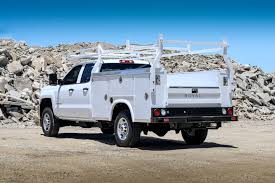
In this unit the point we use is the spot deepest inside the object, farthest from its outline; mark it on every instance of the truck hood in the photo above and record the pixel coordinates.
(48, 90)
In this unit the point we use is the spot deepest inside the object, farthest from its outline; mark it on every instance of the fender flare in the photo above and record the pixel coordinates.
(122, 101)
(53, 100)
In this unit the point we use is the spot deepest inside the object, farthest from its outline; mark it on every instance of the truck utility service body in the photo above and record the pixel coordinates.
(128, 91)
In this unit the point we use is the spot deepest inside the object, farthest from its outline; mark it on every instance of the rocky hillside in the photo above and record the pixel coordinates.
(24, 70)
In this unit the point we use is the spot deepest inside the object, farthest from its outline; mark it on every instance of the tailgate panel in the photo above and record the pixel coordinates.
(194, 89)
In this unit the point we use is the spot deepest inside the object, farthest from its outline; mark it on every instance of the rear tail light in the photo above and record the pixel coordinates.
(160, 112)
(230, 111)
(156, 112)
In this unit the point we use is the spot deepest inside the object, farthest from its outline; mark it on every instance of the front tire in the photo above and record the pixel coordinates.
(49, 123)
(127, 133)
(194, 136)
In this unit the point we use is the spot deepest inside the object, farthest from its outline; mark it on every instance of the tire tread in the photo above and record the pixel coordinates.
(55, 127)
(135, 130)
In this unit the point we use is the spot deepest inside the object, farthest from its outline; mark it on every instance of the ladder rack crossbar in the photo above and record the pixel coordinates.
(151, 52)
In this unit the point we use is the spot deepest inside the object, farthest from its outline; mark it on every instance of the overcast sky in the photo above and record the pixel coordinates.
(248, 26)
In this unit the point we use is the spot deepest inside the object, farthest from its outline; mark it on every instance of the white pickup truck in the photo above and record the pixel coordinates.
(127, 91)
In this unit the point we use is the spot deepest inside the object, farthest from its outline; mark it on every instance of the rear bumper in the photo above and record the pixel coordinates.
(193, 115)
(194, 119)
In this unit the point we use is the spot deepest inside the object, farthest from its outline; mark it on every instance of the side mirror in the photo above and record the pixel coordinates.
(52, 79)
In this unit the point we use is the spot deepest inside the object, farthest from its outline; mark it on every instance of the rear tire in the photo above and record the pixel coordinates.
(194, 136)
(127, 133)
(49, 123)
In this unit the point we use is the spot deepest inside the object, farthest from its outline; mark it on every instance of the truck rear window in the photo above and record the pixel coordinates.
(119, 66)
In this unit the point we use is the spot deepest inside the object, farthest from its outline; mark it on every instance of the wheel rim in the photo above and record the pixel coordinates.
(46, 122)
(122, 129)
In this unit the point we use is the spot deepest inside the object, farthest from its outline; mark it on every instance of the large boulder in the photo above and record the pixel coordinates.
(26, 60)
(38, 64)
(241, 84)
(49, 60)
(2, 116)
(8, 87)
(6, 53)
(14, 94)
(253, 98)
(3, 61)
(35, 85)
(16, 114)
(15, 67)
(3, 82)
(265, 97)
(21, 83)
(264, 110)
(30, 73)
(32, 50)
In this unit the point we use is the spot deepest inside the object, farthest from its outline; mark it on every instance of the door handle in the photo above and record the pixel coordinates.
(71, 90)
(85, 89)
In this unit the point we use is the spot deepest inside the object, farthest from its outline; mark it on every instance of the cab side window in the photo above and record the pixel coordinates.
(71, 77)
(86, 75)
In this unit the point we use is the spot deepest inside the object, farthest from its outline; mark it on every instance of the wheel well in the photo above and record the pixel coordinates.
(46, 102)
(118, 108)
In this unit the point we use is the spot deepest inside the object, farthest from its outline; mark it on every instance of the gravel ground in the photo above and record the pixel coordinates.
(239, 152)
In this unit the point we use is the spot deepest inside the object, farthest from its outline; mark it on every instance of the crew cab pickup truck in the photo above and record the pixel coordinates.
(127, 91)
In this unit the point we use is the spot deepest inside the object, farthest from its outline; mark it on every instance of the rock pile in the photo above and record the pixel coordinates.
(24, 70)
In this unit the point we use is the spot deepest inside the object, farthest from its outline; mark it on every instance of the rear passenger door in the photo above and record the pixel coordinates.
(83, 92)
